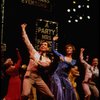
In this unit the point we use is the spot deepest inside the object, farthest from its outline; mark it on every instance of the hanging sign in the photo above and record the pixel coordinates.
(45, 30)
(38, 3)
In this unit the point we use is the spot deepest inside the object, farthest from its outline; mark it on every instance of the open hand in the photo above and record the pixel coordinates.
(55, 38)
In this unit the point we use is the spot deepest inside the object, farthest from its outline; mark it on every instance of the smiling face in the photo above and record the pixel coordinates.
(44, 47)
(69, 49)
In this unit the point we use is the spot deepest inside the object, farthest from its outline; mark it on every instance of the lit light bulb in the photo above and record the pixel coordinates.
(76, 20)
(70, 16)
(88, 17)
(74, 2)
(80, 17)
(68, 10)
(88, 6)
(79, 6)
(69, 21)
(40, 19)
(74, 10)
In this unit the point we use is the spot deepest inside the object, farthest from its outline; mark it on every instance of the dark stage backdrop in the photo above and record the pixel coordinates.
(84, 33)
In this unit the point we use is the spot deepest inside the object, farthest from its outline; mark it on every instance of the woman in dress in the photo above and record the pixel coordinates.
(60, 85)
(14, 85)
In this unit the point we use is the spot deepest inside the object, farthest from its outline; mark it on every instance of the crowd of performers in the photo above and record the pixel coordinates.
(46, 79)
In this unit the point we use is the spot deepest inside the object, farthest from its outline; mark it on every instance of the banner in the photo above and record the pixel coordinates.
(38, 3)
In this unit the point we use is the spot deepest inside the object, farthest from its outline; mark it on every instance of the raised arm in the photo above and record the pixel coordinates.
(53, 46)
(19, 61)
(17, 64)
(82, 57)
(30, 47)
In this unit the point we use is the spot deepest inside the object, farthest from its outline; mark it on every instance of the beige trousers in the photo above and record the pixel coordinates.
(35, 80)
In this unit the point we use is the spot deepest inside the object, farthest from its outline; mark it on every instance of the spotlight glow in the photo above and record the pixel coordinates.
(79, 6)
(70, 16)
(80, 17)
(74, 2)
(88, 6)
(68, 10)
(78, 12)
(74, 10)
(40, 19)
(69, 21)
(76, 20)
(88, 17)
(53, 22)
